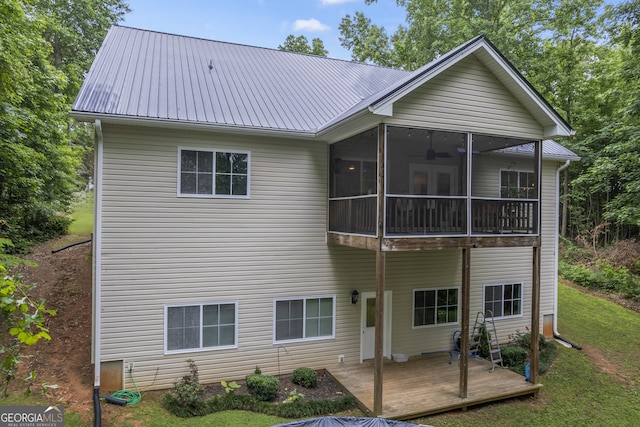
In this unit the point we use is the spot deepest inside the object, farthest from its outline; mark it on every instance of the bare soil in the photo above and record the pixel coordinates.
(64, 281)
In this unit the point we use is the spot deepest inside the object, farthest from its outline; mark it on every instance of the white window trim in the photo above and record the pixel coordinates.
(304, 318)
(214, 196)
(511, 170)
(515, 282)
(435, 325)
(200, 349)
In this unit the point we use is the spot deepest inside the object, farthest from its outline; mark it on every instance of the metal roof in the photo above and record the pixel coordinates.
(550, 150)
(146, 74)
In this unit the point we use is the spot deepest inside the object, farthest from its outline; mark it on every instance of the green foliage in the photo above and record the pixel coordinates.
(263, 387)
(485, 337)
(602, 276)
(297, 408)
(514, 356)
(189, 392)
(300, 44)
(23, 322)
(294, 396)
(257, 371)
(306, 377)
(231, 387)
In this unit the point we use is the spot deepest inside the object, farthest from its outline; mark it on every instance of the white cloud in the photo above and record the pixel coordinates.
(332, 2)
(312, 25)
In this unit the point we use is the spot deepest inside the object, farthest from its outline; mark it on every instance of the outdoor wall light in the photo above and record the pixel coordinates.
(354, 296)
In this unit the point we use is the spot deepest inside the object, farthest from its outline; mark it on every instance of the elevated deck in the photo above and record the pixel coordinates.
(427, 385)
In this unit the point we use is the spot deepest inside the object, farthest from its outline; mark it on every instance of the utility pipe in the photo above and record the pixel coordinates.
(97, 269)
(556, 334)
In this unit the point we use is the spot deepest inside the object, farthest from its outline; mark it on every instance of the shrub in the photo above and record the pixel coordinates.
(263, 387)
(189, 391)
(514, 356)
(522, 340)
(306, 377)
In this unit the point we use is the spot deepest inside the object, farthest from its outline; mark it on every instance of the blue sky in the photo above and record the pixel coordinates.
(263, 23)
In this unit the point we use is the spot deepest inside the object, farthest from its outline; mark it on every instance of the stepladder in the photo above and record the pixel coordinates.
(484, 339)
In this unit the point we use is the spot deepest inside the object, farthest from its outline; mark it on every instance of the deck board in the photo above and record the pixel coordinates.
(427, 385)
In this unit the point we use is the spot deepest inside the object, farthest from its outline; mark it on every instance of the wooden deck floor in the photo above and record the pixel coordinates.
(426, 385)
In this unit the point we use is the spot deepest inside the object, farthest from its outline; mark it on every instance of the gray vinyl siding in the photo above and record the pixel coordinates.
(467, 97)
(160, 249)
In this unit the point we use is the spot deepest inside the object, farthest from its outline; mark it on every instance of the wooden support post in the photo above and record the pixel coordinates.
(380, 273)
(535, 317)
(464, 336)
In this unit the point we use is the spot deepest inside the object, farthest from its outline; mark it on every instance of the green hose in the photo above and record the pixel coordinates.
(131, 397)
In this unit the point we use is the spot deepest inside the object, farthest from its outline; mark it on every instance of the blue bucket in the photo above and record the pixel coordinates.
(527, 371)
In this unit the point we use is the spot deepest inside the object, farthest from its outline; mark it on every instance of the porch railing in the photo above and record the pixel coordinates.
(425, 215)
(355, 215)
(415, 216)
(504, 216)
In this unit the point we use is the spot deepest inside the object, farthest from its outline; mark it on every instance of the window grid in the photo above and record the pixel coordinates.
(503, 300)
(435, 307)
(304, 319)
(198, 327)
(213, 173)
(517, 184)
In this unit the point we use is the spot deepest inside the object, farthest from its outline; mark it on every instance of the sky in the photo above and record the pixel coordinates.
(265, 23)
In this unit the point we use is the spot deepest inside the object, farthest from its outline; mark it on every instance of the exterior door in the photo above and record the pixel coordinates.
(368, 326)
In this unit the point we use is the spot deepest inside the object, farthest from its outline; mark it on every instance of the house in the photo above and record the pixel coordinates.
(260, 207)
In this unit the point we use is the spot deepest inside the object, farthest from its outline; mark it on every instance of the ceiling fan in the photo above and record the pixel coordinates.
(433, 154)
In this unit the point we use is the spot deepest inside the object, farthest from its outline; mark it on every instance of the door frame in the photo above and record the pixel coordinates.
(386, 347)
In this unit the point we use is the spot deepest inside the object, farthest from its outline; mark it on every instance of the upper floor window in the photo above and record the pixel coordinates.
(503, 300)
(517, 184)
(213, 173)
(200, 327)
(304, 318)
(435, 306)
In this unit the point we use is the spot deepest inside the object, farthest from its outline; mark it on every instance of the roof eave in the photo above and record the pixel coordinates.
(182, 124)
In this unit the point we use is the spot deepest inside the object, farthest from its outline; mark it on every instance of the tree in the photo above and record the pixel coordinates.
(300, 44)
(37, 166)
(433, 27)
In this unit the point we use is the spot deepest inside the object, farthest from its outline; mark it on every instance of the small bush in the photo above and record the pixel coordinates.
(306, 377)
(189, 392)
(513, 356)
(263, 387)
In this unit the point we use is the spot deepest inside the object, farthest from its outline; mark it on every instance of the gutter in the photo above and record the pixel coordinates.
(556, 334)
(97, 269)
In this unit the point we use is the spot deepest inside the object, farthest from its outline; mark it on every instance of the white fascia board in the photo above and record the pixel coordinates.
(181, 124)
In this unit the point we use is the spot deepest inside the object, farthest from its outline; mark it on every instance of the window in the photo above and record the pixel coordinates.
(517, 185)
(435, 306)
(305, 318)
(503, 300)
(213, 173)
(200, 327)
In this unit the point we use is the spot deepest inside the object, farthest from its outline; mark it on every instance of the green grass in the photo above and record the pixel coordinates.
(576, 391)
(82, 215)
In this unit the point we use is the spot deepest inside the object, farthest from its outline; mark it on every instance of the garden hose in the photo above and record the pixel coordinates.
(129, 396)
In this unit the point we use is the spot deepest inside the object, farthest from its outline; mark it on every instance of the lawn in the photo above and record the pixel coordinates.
(576, 390)
(82, 214)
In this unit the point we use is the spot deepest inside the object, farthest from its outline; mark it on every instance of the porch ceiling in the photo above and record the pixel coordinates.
(426, 385)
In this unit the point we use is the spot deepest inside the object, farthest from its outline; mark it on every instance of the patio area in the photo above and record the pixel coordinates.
(426, 385)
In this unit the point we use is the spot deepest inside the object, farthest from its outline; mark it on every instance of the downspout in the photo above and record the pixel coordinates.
(97, 268)
(556, 334)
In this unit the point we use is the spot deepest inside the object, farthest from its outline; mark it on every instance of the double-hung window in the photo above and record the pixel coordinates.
(196, 327)
(517, 184)
(213, 173)
(309, 318)
(435, 307)
(503, 300)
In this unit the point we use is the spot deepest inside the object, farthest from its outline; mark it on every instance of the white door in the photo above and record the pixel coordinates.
(368, 326)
